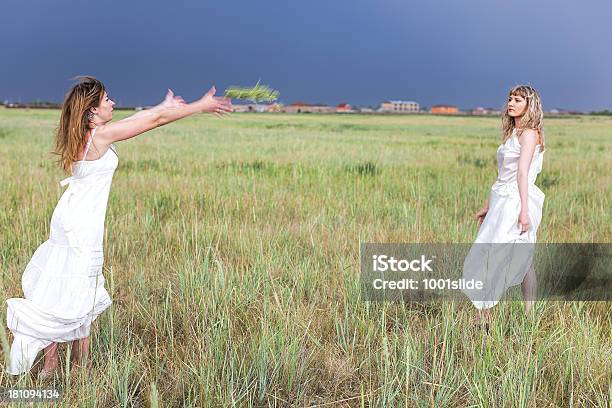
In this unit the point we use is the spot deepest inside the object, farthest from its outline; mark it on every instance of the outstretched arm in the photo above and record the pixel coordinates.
(150, 119)
(170, 101)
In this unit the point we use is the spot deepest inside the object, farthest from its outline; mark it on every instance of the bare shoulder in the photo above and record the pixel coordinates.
(96, 150)
(100, 140)
(112, 132)
(529, 137)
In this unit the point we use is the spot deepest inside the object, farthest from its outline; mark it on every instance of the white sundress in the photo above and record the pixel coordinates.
(63, 283)
(500, 256)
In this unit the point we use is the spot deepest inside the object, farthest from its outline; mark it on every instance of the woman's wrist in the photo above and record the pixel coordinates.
(167, 115)
(199, 105)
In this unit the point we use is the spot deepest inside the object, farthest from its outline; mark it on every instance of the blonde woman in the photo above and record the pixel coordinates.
(63, 283)
(502, 255)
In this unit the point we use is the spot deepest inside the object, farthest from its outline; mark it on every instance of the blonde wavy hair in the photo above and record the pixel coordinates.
(532, 118)
(74, 120)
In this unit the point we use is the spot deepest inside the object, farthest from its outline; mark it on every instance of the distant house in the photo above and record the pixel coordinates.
(274, 107)
(399, 107)
(560, 111)
(257, 107)
(366, 110)
(302, 107)
(33, 105)
(242, 108)
(480, 111)
(260, 107)
(321, 108)
(485, 111)
(297, 107)
(344, 108)
(444, 109)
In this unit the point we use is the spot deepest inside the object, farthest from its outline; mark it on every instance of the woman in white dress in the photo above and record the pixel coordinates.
(63, 283)
(502, 255)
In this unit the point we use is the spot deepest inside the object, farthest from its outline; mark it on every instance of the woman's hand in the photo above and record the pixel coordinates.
(480, 215)
(171, 109)
(172, 101)
(215, 104)
(523, 221)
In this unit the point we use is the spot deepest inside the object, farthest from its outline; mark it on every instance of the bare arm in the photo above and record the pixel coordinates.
(162, 115)
(480, 215)
(170, 101)
(528, 144)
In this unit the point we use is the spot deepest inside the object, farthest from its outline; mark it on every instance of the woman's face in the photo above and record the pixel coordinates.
(516, 106)
(105, 110)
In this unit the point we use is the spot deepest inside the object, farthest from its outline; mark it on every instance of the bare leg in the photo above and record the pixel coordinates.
(529, 288)
(483, 315)
(51, 357)
(80, 352)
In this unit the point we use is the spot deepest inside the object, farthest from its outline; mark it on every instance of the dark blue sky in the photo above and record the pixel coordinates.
(467, 53)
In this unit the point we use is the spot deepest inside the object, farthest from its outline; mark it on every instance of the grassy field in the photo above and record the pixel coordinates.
(232, 258)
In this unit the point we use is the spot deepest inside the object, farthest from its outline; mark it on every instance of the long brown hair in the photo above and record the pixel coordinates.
(531, 119)
(74, 122)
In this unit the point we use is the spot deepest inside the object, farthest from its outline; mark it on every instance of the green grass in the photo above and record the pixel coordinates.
(232, 258)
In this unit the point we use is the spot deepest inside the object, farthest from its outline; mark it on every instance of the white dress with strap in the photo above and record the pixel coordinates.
(501, 255)
(63, 283)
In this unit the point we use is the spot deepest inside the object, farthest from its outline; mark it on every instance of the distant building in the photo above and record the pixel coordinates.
(399, 107)
(344, 108)
(275, 107)
(564, 112)
(302, 107)
(33, 105)
(242, 108)
(444, 109)
(366, 110)
(257, 107)
(485, 111)
(297, 107)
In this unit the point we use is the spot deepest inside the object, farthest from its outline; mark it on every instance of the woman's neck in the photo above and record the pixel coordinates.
(517, 122)
(93, 124)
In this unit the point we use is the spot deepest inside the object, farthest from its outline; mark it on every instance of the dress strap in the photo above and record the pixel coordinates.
(93, 132)
(68, 180)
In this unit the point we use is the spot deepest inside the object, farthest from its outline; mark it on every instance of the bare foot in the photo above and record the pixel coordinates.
(46, 374)
(483, 319)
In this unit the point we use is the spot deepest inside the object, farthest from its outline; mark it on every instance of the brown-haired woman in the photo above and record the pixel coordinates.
(63, 283)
